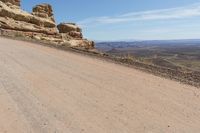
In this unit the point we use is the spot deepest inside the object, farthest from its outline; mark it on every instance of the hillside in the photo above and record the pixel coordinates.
(44, 90)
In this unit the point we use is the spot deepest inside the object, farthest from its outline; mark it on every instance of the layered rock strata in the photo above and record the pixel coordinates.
(39, 25)
(70, 29)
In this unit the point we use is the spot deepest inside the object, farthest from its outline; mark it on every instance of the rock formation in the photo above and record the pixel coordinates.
(39, 25)
(70, 29)
(44, 11)
(12, 2)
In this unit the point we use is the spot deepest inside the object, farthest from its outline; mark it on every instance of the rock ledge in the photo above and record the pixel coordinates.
(39, 25)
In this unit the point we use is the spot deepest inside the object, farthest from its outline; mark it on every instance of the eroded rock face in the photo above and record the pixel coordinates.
(12, 2)
(82, 43)
(76, 34)
(39, 25)
(17, 19)
(68, 27)
(43, 11)
(71, 29)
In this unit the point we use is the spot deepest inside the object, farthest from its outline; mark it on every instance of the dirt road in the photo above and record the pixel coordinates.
(44, 90)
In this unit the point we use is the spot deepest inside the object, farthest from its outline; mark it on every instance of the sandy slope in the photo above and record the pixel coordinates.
(44, 90)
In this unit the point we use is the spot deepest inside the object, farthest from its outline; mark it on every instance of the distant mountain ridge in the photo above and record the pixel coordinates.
(142, 43)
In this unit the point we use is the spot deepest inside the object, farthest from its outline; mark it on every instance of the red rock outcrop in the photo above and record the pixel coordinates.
(39, 25)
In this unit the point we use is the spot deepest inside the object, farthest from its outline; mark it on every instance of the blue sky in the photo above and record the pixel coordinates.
(128, 19)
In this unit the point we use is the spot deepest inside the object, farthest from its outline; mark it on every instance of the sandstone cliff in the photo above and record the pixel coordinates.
(39, 25)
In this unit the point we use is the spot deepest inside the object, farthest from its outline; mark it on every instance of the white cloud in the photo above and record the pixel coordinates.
(163, 14)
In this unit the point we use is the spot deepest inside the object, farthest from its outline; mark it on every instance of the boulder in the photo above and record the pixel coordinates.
(68, 27)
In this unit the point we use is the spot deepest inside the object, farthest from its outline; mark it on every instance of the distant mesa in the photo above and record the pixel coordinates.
(39, 25)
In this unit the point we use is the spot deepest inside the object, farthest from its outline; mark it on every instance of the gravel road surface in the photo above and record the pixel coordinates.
(45, 90)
